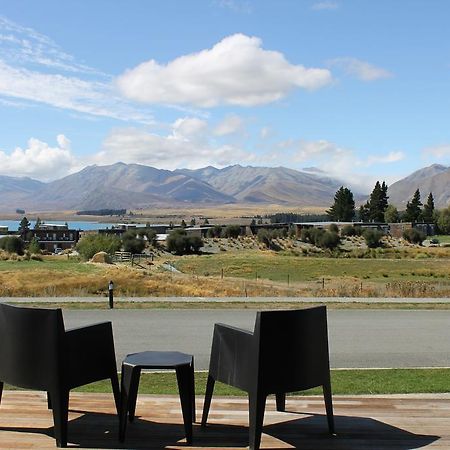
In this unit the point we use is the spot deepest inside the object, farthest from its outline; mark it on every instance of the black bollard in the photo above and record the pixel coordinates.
(111, 294)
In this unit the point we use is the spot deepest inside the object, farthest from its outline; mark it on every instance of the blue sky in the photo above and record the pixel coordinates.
(358, 89)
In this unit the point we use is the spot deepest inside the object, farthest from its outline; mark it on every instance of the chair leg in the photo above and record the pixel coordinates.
(257, 405)
(60, 404)
(1, 390)
(192, 371)
(281, 402)
(49, 401)
(116, 391)
(128, 396)
(208, 396)
(184, 380)
(329, 406)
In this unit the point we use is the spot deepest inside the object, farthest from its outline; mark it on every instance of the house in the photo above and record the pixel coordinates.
(53, 236)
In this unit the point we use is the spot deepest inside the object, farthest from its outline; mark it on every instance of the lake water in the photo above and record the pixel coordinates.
(13, 225)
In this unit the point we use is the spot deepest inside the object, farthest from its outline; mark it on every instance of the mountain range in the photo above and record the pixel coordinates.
(136, 186)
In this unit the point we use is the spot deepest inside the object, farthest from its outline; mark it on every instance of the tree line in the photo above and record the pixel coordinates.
(378, 209)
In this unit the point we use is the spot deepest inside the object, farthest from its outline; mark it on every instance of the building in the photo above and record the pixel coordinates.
(53, 236)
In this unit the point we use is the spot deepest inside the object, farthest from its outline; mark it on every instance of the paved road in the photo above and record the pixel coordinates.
(358, 338)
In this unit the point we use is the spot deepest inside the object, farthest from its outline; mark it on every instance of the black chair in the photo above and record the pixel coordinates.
(287, 352)
(36, 352)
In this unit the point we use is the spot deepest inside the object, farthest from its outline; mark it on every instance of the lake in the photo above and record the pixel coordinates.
(13, 225)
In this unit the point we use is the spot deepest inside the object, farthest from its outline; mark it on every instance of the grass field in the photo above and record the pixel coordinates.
(344, 382)
(276, 267)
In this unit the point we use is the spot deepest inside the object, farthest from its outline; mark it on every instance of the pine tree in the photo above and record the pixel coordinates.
(364, 213)
(413, 211)
(378, 202)
(428, 209)
(37, 224)
(24, 226)
(343, 208)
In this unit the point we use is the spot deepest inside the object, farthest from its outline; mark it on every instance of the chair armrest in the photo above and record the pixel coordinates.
(89, 354)
(234, 356)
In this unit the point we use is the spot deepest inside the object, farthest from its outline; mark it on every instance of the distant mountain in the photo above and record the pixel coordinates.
(136, 186)
(435, 179)
(269, 184)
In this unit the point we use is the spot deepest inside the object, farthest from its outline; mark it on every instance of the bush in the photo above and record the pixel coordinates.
(333, 228)
(414, 236)
(215, 231)
(150, 235)
(12, 244)
(349, 230)
(373, 237)
(132, 243)
(34, 247)
(231, 231)
(180, 243)
(329, 240)
(91, 244)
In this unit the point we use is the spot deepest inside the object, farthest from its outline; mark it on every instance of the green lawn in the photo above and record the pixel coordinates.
(277, 267)
(443, 238)
(58, 264)
(344, 382)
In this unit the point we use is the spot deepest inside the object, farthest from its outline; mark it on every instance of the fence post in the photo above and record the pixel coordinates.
(323, 283)
(288, 279)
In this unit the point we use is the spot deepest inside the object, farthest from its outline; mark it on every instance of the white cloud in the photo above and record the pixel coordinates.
(437, 151)
(24, 45)
(65, 92)
(39, 160)
(360, 69)
(235, 71)
(185, 146)
(237, 6)
(230, 125)
(325, 5)
(391, 157)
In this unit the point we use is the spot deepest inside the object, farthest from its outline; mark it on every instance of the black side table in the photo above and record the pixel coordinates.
(182, 363)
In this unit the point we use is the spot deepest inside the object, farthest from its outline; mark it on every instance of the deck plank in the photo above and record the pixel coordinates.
(389, 423)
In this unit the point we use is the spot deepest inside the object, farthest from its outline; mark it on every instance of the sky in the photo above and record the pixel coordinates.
(357, 89)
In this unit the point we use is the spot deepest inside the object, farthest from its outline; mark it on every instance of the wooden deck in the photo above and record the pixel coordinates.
(394, 423)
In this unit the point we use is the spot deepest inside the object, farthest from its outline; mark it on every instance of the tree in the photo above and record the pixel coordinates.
(149, 234)
(24, 226)
(443, 221)
(378, 202)
(215, 232)
(192, 223)
(37, 225)
(183, 224)
(91, 244)
(132, 243)
(391, 214)
(413, 211)
(428, 209)
(343, 208)
(34, 247)
(364, 213)
(206, 221)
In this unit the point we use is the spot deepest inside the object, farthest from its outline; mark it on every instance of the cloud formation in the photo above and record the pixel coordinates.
(230, 125)
(437, 151)
(39, 160)
(359, 69)
(235, 71)
(325, 5)
(187, 145)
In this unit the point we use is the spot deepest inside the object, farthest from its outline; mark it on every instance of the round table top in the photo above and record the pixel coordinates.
(158, 359)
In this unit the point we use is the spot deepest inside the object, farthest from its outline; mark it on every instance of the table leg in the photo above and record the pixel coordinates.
(129, 387)
(193, 390)
(184, 379)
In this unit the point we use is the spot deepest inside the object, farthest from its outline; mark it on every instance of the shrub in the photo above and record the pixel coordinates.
(349, 230)
(329, 240)
(215, 231)
(91, 244)
(333, 228)
(180, 243)
(34, 247)
(373, 237)
(231, 231)
(12, 244)
(414, 236)
(132, 243)
(150, 235)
